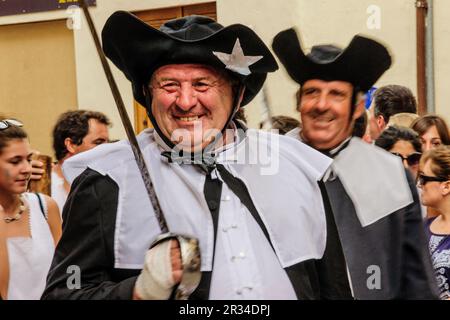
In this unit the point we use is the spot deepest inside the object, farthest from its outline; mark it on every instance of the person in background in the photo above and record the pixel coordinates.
(30, 225)
(284, 124)
(241, 116)
(360, 127)
(388, 101)
(433, 131)
(75, 132)
(404, 143)
(363, 121)
(434, 183)
(360, 201)
(403, 119)
(37, 167)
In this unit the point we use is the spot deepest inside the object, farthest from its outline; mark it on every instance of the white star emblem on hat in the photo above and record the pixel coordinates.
(236, 60)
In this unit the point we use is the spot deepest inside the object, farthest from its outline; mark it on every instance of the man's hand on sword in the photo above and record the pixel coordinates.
(162, 271)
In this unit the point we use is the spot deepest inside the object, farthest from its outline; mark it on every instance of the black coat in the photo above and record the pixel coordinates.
(88, 242)
(395, 246)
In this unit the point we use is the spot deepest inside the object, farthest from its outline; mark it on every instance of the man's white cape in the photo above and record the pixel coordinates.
(280, 173)
(375, 180)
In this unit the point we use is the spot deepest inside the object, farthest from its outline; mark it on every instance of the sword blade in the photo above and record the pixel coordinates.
(266, 110)
(127, 124)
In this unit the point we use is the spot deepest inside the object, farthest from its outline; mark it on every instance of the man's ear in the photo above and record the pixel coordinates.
(70, 146)
(359, 109)
(446, 188)
(381, 123)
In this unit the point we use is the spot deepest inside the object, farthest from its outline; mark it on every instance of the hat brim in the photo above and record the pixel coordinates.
(362, 63)
(138, 50)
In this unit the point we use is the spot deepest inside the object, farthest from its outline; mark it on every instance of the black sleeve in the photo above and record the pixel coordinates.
(87, 242)
(418, 279)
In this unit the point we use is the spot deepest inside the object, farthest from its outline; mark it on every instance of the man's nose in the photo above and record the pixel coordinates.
(322, 102)
(187, 98)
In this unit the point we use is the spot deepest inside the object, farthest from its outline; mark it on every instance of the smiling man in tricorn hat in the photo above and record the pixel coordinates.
(373, 213)
(260, 222)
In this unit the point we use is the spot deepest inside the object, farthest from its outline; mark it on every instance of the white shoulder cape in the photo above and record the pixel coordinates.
(280, 173)
(374, 179)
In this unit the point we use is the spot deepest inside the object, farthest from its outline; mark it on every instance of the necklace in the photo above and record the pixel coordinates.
(18, 213)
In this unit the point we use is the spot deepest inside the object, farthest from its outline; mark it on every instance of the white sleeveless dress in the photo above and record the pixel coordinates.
(30, 258)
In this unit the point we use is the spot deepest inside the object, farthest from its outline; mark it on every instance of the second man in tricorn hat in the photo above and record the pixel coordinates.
(373, 214)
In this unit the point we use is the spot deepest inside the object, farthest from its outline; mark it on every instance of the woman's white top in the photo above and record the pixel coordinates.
(30, 258)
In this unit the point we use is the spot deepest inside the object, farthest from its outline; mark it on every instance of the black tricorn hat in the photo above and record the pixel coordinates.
(362, 63)
(139, 49)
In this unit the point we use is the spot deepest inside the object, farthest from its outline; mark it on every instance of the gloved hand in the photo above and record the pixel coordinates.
(162, 271)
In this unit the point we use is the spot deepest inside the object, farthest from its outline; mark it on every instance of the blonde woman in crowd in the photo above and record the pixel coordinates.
(30, 224)
(434, 182)
(404, 119)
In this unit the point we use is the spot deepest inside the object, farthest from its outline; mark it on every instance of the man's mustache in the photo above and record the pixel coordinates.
(317, 113)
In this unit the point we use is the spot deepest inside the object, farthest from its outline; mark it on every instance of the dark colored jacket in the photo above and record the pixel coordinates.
(88, 242)
(395, 246)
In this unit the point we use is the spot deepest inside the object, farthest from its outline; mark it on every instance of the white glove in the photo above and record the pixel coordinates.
(156, 281)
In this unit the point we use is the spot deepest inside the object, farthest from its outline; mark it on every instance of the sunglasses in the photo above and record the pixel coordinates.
(423, 179)
(412, 160)
(5, 124)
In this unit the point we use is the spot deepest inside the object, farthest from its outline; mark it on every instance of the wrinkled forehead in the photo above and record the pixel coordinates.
(187, 72)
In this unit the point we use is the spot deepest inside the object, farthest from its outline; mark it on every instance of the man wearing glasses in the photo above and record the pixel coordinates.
(373, 213)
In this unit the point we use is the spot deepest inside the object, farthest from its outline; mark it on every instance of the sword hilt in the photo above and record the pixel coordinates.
(190, 262)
